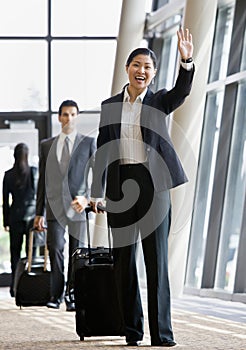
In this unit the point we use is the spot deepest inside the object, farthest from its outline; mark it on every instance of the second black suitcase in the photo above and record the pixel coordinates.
(32, 279)
(97, 307)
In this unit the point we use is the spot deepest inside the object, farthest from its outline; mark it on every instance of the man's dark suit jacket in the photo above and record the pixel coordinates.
(164, 165)
(56, 192)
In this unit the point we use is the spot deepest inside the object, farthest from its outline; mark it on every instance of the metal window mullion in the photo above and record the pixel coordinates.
(219, 186)
(49, 67)
(238, 32)
(240, 280)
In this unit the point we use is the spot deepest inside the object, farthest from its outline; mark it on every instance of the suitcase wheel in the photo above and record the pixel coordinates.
(82, 338)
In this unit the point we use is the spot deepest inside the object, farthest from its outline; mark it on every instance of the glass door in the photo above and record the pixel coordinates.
(18, 131)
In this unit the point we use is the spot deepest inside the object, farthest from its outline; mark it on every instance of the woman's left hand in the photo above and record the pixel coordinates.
(185, 44)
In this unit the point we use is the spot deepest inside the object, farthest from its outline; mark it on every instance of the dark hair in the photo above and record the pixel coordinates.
(142, 51)
(68, 103)
(21, 165)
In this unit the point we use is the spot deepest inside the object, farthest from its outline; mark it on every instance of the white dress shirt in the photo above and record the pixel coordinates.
(60, 143)
(132, 148)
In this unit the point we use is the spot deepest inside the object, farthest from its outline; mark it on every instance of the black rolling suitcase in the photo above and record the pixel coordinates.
(32, 277)
(97, 308)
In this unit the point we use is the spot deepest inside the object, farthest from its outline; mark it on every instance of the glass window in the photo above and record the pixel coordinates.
(234, 200)
(166, 39)
(87, 124)
(202, 203)
(148, 6)
(7, 160)
(25, 17)
(221, 44)
(82, 71)
(159, 3)
(243, 62)
(18, 131)
(23, 69)
(85, 18)
(167, 69)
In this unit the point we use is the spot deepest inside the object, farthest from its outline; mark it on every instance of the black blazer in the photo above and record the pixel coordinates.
(55, 192)
(23, 199)
(164, 165)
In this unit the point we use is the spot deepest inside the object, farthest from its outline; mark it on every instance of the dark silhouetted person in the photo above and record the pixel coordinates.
(19, 183)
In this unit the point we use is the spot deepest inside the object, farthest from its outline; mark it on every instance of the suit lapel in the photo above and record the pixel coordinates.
(147, 97)
(52, 163)
(53, 149)
(117, 104)
(50, 148)
(77, 141)
(117, 114)
(144, 119)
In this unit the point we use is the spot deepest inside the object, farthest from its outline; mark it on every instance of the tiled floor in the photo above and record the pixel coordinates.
(227, 310)
(198, 323)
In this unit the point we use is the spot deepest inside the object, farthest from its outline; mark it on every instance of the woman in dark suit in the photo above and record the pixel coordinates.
(19, 183)
(138, 165)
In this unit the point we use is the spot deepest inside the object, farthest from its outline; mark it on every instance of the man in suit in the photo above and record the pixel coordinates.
(138, 165)
(65, 161)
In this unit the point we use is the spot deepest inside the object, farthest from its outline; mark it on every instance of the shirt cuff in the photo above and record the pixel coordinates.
(97, 200)
(187, 66)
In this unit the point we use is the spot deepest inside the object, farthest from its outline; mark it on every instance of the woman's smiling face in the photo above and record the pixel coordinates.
(141, 71)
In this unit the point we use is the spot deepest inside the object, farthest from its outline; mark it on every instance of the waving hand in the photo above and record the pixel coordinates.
(185, 44)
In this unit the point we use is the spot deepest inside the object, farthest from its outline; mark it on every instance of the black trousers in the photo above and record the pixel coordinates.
(56, 242)
(17, 232)
(143, 215)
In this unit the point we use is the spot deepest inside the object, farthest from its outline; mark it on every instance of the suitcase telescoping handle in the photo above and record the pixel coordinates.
(87, 211)
(29, 258)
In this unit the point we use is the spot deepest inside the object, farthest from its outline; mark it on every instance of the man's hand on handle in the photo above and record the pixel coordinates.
(96, 207)
(39, 223)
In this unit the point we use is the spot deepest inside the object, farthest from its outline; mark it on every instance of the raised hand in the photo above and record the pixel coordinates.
(185, 44)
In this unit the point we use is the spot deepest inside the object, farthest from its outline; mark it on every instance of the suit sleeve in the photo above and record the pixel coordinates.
(40, 203)
(84, 187)
(101, 158)
(168, 101)
(93, 152)
(90, 166)
(6, 205)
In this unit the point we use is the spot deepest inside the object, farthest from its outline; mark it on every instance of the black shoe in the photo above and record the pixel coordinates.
(12, 293)
(166, 343)
(133, 343)
(53, 303)
(70, 306)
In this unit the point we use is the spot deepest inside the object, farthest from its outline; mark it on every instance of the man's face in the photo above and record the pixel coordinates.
(68, 119)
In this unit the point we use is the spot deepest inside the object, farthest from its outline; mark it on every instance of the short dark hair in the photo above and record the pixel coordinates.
(142, 51)
(68, 103)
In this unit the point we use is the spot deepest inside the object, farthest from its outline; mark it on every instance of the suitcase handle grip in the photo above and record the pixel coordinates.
(29, 258)
(88, 209)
